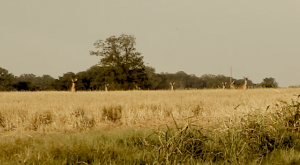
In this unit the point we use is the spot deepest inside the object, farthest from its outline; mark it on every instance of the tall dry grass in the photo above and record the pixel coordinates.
(63, 111)
(257, 126)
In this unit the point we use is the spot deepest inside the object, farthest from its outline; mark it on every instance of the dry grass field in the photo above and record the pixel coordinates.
(45, 114)
(62, 111)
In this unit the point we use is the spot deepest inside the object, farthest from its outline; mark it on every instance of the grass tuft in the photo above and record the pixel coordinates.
(44, 119)
(198, 110)
(81, 121)
(2, 121)
(112, 113)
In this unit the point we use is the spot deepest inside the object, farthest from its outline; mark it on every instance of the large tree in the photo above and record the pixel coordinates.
(124, 66)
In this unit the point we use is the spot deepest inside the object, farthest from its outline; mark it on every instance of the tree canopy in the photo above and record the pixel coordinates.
(123, 64)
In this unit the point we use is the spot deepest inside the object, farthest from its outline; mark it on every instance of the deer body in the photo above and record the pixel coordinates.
(232, 85)
(74, 81)
(106, 87)
(243, 86)
(172, 85)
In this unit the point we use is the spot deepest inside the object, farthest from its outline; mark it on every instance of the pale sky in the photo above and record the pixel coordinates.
(257, 38)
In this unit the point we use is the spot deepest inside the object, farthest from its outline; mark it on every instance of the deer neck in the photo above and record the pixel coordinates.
(245, 84)
(73, 87)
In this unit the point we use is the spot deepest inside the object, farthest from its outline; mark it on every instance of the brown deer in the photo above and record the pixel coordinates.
(243, 86)
(232, 86)
(172, 85)
(74, 81)
(224, 85)
(106, 87)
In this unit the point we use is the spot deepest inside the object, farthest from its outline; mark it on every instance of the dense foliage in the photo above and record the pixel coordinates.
(123, 65)
(269, 82)
(96, 77)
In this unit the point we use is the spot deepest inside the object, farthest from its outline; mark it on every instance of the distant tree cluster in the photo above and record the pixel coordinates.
(122, 67)
(294, 86)
(185, 81)
(269, 83)
(95, 78)
(26, 82)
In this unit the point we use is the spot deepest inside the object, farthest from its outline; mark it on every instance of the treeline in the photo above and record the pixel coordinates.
(95, 78)
(121, 67)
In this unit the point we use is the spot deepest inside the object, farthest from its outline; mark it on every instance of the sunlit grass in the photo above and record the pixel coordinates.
(194, 126)
(22, 110)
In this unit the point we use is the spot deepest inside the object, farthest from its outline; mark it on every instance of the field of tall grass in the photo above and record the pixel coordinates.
(212, 126)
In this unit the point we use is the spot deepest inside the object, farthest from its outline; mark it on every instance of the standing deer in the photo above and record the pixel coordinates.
(224, 85)
(172, 85)
(106, 87)
(232, 86)
(74, 81)
(243, 86)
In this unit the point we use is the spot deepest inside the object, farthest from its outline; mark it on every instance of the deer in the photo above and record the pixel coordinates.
(172, 85)
(243, 86)
(74, 81)
(224, 85)
(232, 86)
(106, 87)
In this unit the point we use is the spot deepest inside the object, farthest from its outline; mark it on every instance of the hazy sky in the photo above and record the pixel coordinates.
(257, 38)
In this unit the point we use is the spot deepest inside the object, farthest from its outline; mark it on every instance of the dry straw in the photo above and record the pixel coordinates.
(61, 111)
